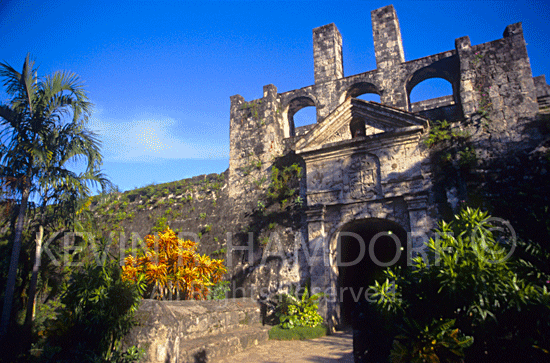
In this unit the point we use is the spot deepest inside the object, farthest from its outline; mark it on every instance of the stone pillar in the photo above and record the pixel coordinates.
(327, 54)
(317, 256)
(328, 67)
(419, 220)
(467, 75)
(388, 49)
(388, 46)
(525, 104)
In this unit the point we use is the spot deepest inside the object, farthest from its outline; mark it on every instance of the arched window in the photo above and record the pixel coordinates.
(300, 112)
(305, 116)
(430, 89)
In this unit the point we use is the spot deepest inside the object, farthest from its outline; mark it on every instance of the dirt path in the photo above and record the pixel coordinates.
(334, 348)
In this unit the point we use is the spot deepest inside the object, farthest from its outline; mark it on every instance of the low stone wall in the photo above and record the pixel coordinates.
(171, 330)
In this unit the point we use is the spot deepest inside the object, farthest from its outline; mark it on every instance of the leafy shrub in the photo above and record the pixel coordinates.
(98, 311)
(219, 290)
(436, 342)
(442, 131)
(294, 311)
(173, 269)
(467, 157)
(283, 182)
(160, 225)
(471, 280)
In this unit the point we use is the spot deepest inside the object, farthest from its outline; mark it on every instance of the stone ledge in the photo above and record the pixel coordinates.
(172, 330)
(208, 349)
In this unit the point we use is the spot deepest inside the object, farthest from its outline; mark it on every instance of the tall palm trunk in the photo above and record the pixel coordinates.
(29, 317)
(12, 273)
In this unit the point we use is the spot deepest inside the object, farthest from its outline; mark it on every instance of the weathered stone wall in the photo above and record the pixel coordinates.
(193, 331)
(365, 161)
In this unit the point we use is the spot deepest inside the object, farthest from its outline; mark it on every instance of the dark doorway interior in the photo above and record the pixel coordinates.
(356, 271)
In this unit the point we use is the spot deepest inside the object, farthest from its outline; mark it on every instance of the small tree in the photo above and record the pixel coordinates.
(173, 269)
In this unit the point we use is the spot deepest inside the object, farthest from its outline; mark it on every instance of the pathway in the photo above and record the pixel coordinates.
(331, 349)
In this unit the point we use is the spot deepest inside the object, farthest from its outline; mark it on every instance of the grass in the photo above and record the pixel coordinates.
(297, 333)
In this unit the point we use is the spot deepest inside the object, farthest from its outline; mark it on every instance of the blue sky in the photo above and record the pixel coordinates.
(160, 73)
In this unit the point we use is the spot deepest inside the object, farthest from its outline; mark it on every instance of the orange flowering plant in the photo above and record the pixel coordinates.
(173, 269)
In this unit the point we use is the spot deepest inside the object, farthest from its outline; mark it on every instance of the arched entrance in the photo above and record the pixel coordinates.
(364, 248)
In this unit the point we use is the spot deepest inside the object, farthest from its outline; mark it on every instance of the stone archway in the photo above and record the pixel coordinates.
(364, 249)
(290, 110)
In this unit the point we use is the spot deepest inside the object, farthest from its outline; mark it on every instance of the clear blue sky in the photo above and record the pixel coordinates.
(160, 73)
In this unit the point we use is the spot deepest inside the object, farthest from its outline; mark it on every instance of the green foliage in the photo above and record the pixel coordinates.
(43, 129)
(251, 165)
(441, 131)
(160, 225)
(436, 342)
(219, 291)
(207, 228)
(481, 86)
(283, 182)
(251, 110)
(297, 333)
(261, 206)
(259, 182)
(202, 215)
(469, 276)
(293, 311)
(221, 251)
(99, 308)
(467, 157)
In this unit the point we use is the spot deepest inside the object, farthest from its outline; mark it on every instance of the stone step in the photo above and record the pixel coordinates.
(173, 331)
(214, 347)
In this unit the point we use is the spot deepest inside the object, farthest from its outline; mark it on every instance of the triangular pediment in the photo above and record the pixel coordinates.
(377, 119)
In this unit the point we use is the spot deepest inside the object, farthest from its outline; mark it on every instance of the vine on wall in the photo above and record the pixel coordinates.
(482, 88)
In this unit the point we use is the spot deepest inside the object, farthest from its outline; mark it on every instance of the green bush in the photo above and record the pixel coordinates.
(436, 342)
(442, 131)
(99, 309)
(294, 311)
(219, 291)
(284, 182)
(471, 278)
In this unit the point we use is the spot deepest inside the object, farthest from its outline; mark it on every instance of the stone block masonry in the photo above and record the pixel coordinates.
(366, 169)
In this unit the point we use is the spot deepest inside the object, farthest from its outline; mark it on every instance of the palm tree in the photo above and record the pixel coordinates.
(43, 127)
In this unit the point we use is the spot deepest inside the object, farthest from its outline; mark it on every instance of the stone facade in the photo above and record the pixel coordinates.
(366, 168)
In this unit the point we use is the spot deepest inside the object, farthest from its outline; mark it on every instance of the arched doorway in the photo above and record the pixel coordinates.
(364, 248)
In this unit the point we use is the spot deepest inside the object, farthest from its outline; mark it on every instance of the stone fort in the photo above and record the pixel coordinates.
(367, 171)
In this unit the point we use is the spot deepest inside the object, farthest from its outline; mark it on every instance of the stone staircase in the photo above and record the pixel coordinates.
(196, 331)
(544, 103)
